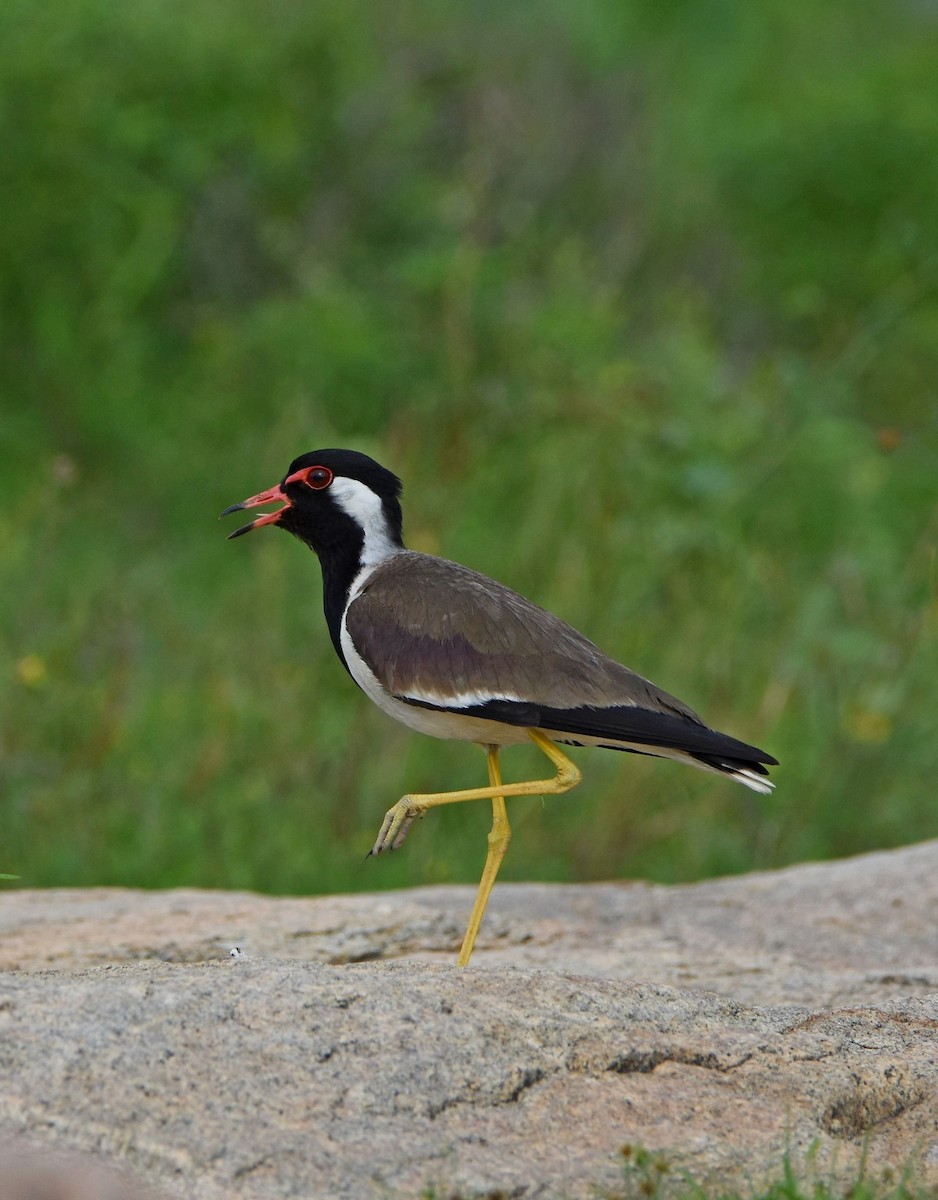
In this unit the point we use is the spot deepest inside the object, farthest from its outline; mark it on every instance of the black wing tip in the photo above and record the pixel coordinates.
(629, 723)
(642, 726)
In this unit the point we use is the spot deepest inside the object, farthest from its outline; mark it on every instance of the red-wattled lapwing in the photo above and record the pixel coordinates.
(456, 655)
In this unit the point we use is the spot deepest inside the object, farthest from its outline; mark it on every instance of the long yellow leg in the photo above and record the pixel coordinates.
(398, 820)
(499, 837)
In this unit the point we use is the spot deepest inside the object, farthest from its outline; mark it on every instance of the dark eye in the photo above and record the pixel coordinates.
(319, 477)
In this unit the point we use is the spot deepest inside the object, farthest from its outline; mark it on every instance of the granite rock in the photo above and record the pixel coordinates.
(339, 1053)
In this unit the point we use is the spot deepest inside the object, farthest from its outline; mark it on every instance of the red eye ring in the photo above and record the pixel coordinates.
(318, 478)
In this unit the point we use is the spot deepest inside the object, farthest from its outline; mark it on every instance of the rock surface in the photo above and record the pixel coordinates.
(721, 1024)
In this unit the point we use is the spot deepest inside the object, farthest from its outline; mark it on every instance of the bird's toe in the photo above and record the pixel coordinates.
(395, 827)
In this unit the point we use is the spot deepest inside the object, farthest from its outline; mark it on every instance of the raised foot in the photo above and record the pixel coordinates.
(396, 825)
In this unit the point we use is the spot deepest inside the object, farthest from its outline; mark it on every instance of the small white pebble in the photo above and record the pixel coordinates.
(236, 952)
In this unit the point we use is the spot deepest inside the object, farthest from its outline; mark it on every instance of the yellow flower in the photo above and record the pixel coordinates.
(31, 671)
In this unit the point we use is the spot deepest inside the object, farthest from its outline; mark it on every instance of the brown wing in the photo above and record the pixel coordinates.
(435, 631)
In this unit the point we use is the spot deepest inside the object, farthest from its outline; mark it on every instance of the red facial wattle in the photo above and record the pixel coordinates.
(316, 478)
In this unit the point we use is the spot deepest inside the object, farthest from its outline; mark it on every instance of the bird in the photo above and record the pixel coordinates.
(454, 654)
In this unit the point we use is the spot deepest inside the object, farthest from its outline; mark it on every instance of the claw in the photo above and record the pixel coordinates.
(395, 826)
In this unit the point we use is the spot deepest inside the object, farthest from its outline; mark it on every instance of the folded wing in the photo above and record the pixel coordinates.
(441, 636)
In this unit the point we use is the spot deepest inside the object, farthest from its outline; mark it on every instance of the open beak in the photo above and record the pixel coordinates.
(271, 518)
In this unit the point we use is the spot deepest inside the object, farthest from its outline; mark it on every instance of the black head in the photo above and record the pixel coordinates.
(334, 500)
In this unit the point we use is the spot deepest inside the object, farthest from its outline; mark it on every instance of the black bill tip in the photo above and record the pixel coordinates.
(244, 529)
(230, 509)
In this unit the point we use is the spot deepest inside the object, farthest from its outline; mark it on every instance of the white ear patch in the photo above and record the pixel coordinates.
(363, 505)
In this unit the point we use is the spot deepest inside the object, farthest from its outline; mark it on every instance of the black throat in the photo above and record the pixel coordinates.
(339, 572)
(339, 544)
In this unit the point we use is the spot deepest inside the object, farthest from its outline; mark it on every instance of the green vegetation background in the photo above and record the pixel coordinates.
(639, 298)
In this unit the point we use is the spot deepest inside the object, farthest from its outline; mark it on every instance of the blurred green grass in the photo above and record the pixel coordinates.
(641, 302)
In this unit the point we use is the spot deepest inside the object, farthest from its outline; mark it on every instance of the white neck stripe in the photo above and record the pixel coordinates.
(364, 506)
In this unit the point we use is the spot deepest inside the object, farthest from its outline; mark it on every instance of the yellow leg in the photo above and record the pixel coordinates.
(399, 819)
(499, 837)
